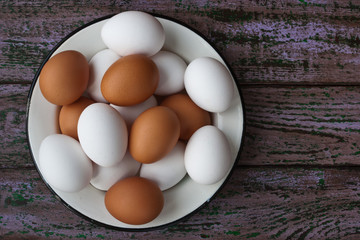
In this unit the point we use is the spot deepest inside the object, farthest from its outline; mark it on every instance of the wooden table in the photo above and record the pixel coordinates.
(298, 65)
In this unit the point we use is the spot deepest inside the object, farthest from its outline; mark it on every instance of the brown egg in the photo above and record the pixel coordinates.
(130, 80)
(134, 200)
(154, 134)
(190, 115)
(69, 116)
(64, 77)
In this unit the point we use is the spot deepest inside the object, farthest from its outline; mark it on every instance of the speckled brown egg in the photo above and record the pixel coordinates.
(69, 116)
(191, 116)
(134, 200)
(154, 134)
(130, 80)
(64, 78)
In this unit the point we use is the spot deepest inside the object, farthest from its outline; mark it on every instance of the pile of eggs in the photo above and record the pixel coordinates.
(135, 119)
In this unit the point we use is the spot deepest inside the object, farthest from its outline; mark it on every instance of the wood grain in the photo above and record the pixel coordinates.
(302, 125)
(279, 42)
(13, 143)
(257, 203)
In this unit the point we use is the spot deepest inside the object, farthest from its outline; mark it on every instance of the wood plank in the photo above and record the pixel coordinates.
(258, 203)
(283, 42)
(284, 125)
(302, 125)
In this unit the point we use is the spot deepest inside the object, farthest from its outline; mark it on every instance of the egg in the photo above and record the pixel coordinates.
(104, 177)
(191, 116)
(207, 155)
(209, 84)
(98, 64)
(130, 80)
(103, 134)
(133, 32)
(154, 134)
(171, 69)
(169, 170)
(64, 77)
(130, 113)
(63, 163)
(134, 200)
(69, 116)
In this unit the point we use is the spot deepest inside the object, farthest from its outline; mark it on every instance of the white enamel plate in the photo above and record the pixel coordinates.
(187, 196)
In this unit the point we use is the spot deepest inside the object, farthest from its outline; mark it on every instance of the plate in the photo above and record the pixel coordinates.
(182, 200)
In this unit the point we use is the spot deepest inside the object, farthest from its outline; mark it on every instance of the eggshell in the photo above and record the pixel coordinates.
(130, 80)
(171, 69)
(104, 177)
(209, 84)
(63, 163)
(169, 170)
(69, 116)
(103, 134)
(133, 32)
(191, 116)
(64, 78)
(154, 134)
(207, 155)
(130, 113)
(134, 200)
(99, 64)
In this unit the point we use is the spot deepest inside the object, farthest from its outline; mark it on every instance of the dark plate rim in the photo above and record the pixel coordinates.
(186, 217)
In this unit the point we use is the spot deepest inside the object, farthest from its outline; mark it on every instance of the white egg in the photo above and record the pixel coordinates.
(168, 171)
(133, 32)
(64, 164)
(103, 134)
(207, 155)
(104, 177)
(171, 72)
(130, 113)
(98, 64)
(209, 84)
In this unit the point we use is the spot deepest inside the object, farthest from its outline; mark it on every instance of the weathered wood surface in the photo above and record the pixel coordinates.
(305, 203)
(285, 42)
(298, 64)
(302, 125)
